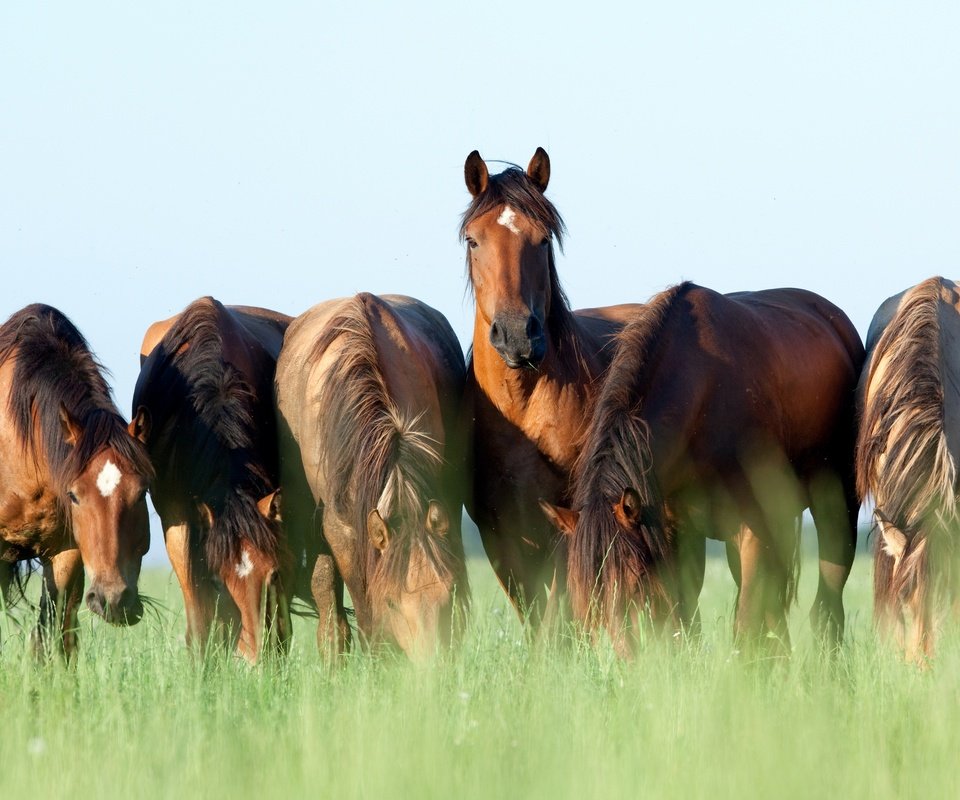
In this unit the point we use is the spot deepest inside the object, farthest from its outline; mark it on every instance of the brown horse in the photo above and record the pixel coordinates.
(721, 416)
(531, 375)
(72, 479)
(907, 455)
(203, 406)
(368, 390)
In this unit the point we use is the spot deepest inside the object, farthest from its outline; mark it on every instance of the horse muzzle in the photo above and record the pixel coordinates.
(519, 339)
(120, 606)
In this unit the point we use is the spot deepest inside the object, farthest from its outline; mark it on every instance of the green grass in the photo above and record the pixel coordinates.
(138, 717)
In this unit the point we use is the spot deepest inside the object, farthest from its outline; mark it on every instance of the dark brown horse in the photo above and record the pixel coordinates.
(368, 390)
(531, 375)
(72, 479)
(721, 416)
(907, 455)
(203, 406)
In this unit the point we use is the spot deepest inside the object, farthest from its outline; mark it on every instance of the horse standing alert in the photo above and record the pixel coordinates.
(531, 378)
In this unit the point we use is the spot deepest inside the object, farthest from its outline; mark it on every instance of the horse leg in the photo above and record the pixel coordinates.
(691, 565)
(59, 601)
(760, 619)
(197, 598)
(333, 630)
(835, 509)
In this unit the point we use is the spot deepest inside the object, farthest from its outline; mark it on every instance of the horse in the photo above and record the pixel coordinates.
(368, 391)
(531, 377)
(203, 408)
(720, 416)
(72, 478)
(907, 453)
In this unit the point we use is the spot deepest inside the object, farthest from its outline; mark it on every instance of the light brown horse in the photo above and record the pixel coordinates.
(368, 390)
(721, 416)
(72, 479)
(907, 454)
(530, 381)
(203, 406)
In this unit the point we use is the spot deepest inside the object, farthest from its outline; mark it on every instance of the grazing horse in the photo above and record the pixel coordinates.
(530, 382)
(368, 392)
(907, 454)
(203, 406)
(72, 478)
(721, 416)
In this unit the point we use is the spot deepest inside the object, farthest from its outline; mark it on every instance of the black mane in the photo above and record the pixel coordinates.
(215, 439)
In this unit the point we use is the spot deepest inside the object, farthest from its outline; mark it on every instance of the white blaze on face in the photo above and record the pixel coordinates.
(108, 479)
(507, 217)
(245, 567)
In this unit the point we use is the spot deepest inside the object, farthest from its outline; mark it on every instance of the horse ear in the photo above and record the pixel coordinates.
(438, 523)
(269, 506)
(563, 519)
(539, 169)
(628, 509)
(206, 515)
(139, 427)
(377, 530)
(71, 430)
(475, 174)
(894, 541)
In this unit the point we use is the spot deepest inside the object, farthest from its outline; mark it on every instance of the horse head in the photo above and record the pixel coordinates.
(616, 558)
(509, 230)
(413, 587)
(243, 553)
(107, 510)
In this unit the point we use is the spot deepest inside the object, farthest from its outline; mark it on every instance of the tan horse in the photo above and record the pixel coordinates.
(531, 378)
(368, 390)
(721, 416)
(203, 405)
(907, 455)
(72, 479)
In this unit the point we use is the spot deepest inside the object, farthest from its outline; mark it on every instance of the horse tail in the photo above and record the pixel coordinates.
(903, 455)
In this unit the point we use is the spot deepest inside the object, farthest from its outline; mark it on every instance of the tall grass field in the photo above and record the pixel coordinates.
(501, 717)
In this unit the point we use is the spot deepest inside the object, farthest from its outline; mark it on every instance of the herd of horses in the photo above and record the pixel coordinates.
(596, 450)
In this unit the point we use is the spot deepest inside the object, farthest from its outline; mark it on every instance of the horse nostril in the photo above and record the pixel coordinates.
(534, 327)
(497, 338)
(95, 602)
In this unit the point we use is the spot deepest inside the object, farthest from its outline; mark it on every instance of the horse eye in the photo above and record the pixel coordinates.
(472, 244)
(73, 498)
(545, 242)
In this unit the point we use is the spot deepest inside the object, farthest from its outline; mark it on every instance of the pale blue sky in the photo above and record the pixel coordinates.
(279, 153)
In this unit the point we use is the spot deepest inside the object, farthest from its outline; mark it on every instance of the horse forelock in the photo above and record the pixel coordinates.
(54, 372)
(376, 456)
(903, 457)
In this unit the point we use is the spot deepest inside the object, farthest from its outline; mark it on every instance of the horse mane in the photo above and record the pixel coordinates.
(902, 427)
(377, 456)
(55, 372)
(604, 560)
(213, 433)
(514, 188)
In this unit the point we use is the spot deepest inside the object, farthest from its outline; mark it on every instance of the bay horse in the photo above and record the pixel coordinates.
(72, 478)
(720, 416)
(531, 377)
(368, 393)
(907, 454)
(203, 407)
